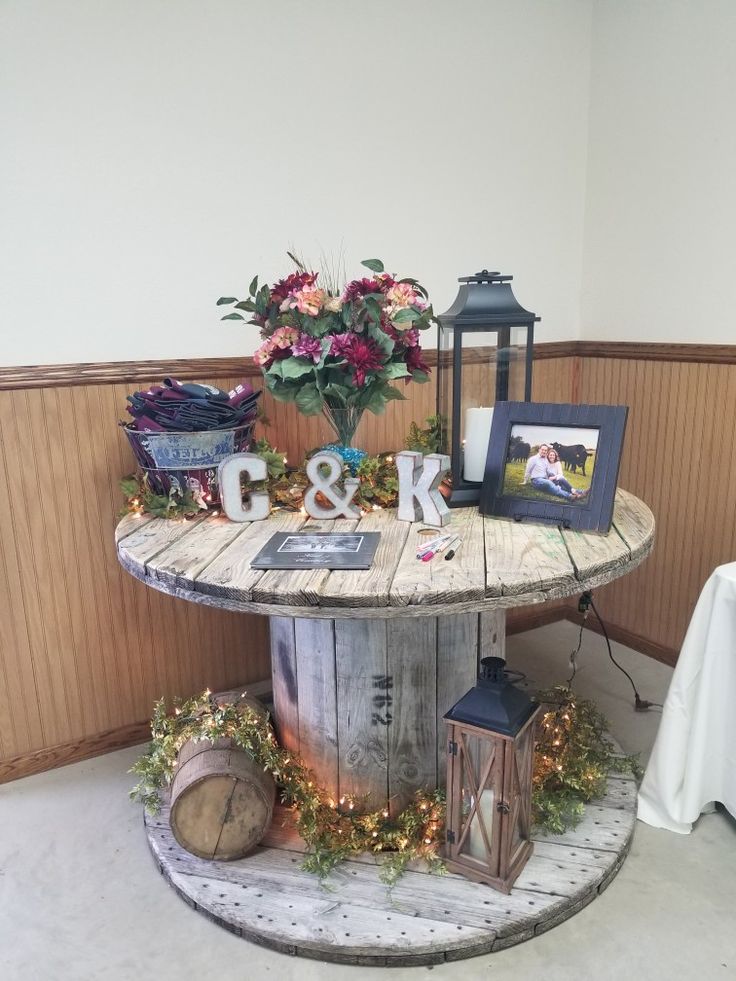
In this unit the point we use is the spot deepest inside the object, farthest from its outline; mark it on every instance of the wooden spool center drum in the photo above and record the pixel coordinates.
(221, 800)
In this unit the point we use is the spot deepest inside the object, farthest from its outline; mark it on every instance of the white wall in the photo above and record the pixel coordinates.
(660, 256)
(158, 153)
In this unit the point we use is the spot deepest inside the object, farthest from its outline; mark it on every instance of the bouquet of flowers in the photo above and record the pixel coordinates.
(337, 351)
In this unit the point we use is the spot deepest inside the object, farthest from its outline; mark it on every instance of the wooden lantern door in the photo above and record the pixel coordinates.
(516, 846)
(475, 791)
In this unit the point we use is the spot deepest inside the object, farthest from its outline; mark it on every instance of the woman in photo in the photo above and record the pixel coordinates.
(554, 473)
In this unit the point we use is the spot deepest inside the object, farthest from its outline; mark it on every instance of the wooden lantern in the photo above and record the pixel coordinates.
(489, 779)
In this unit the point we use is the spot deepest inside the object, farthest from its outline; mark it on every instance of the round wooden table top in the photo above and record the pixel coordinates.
(501, 563)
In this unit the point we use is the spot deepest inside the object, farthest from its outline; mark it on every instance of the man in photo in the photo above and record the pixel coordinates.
(544, 476)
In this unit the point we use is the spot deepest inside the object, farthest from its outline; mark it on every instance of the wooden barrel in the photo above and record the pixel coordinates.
(221, 800)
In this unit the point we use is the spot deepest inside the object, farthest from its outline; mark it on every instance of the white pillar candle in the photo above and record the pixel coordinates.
(476, 435)
(476, 845)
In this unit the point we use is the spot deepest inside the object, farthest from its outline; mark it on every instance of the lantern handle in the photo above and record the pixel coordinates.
(485, 277)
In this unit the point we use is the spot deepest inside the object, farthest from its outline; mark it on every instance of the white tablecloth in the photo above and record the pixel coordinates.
(693, 762)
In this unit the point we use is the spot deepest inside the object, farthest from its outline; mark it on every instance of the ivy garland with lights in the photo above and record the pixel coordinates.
(332, 829)
(379, 486)
(573, 758)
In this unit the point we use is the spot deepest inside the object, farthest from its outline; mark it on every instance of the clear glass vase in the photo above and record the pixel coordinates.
(343, 420)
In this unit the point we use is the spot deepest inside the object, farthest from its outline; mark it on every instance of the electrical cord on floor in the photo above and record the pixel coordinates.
(574, 655)
(586, 601)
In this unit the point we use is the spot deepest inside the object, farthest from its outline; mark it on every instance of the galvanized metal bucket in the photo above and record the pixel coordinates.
(187, 461)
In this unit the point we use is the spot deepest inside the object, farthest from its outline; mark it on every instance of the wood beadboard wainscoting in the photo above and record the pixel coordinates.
(85, 649)
(678, 458)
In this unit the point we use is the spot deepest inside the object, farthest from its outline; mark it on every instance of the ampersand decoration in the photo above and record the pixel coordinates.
(325, 485)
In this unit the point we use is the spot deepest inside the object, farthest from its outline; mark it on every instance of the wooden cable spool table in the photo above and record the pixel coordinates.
(365, 664)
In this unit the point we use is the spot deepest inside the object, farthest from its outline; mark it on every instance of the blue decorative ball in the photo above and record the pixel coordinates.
(350, 455)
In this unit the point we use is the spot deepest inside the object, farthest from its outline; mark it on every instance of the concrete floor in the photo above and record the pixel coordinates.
(81, 900)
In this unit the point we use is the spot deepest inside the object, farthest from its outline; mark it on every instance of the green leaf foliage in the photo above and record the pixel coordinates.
(392, 394)
(332, 830)
(406, 316)
(308, 400)
(226, 300)
(429, 440)
(253, 288)
(396, 369)
(375, 265)
(282, 391)
(296, 368)
(233, 316)
(263, 297)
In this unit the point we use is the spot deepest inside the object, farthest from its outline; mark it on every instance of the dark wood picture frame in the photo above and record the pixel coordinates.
(595, 512)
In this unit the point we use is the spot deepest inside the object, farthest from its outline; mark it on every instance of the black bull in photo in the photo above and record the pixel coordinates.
(573, 457)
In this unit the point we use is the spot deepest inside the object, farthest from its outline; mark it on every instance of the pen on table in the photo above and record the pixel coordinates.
(440, 548)
(454, 550)
(429, 553)
(431, 546)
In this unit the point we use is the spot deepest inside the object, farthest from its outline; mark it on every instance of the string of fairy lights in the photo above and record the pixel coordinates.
(573, 757)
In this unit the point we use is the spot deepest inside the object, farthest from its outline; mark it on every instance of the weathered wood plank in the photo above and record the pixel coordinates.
(526, 564)
(317, 687)
(285, 681)
(491, 634)
(440, 581)
(424, 919)
(181, 563)
(412, 733)
(601, 828)
(523, 558)
(457, 665)
(321, 923)
(366, 709)
(230, 576)
(130, 523)
(592, 554)
(369, 587)
(634, 522)
(299, 587)
(150, 538)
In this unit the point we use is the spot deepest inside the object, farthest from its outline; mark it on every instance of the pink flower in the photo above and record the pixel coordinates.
(364, 355)
(333, 304)
(360, 287)
(308, 300)
(292, 284)
(401, 295)
(308, 347)
(284, 337)
(340, 345)
(263, 355)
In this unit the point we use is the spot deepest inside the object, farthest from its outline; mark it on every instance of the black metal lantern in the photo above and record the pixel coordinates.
(484, 355)
(490, 748)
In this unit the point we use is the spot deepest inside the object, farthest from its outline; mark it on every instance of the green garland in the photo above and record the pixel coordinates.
(573, 758)
(379, 486)
(332, 829)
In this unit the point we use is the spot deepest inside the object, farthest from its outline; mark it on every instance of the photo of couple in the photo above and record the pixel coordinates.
(550, 463)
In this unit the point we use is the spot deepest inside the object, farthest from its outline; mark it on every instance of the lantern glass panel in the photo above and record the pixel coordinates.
(477, 368)
(518, 778)
(480, 792)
